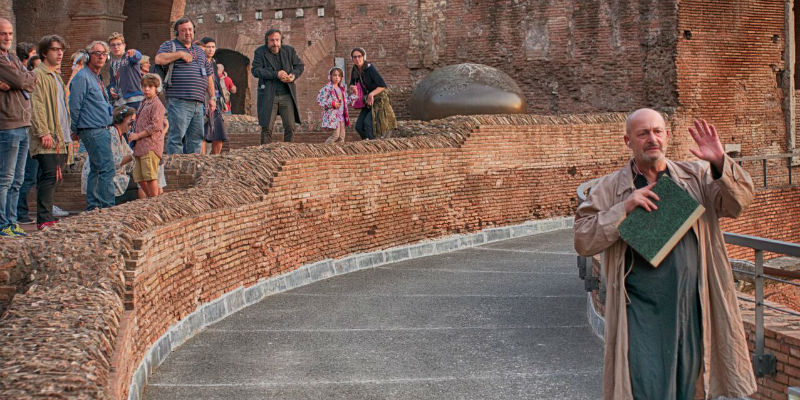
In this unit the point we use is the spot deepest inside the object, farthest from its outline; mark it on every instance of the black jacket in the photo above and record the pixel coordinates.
(267, 74)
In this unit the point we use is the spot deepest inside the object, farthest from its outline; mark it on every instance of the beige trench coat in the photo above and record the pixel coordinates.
(727, 370)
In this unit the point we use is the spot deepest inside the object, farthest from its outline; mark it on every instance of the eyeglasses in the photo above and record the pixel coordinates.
(115, 44)
(358, 56)
(57, 49)
(99, 53)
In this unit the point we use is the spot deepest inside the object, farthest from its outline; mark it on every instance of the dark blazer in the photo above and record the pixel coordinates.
(267, 75)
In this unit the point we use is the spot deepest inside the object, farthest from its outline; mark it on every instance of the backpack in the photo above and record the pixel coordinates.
(226, 94)
(165, 71)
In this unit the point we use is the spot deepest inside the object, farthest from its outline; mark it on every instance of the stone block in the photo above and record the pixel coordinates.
(275, 285)
(346, 265)
(297, 278)
(186, 328)
(472, 240)
(320, 270)
(369, 260)
(397, 254)
(139, 379)
(421, 250)
(234, 301)
(134, 392)
(523, 230)
(447, 245)
(495, 234)
(214, 311)
(254, 293)
(161, 350)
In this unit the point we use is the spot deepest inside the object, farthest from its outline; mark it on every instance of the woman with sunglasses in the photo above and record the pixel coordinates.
(377, 116)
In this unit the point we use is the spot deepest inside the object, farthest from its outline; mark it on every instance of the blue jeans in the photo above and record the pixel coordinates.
(31, 170)
(13, 154)
(100, 183)
(185, 126)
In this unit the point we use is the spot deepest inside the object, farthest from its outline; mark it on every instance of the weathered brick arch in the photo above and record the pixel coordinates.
(145, 23)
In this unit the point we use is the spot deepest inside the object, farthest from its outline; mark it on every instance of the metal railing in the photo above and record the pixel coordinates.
(764, 363)
(789, 157)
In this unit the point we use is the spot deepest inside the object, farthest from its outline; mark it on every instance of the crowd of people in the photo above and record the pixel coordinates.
(113, 110)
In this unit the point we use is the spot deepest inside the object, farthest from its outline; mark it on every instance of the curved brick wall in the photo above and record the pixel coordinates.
(98, 290)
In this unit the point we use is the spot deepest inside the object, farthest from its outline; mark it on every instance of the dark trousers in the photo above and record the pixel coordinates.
(364, 124)
(283, 105)
(46, 186)
(31, 171)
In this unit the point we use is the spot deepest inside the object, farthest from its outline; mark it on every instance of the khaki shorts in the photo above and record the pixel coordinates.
(146, 168)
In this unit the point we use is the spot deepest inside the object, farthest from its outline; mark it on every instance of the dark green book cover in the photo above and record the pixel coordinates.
(654, 234)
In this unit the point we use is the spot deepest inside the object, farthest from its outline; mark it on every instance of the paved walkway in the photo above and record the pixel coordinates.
(505, 320)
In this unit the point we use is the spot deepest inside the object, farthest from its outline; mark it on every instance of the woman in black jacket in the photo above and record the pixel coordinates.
(377, 117)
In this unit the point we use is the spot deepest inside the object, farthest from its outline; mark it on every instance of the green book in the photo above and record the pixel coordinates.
(654, 234)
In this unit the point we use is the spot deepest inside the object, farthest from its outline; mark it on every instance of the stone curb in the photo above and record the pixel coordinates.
(596, 321)
(231, 302)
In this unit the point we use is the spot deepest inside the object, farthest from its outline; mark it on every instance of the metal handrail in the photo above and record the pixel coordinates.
(763, 363)
(764, 158)
(795, 153)
(758, 243)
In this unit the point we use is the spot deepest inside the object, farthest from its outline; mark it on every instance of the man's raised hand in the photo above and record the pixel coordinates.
(709, 147)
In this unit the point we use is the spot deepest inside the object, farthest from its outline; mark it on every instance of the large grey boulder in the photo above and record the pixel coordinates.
(465, 89)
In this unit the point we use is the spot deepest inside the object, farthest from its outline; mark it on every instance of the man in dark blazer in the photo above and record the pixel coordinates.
(276, 67)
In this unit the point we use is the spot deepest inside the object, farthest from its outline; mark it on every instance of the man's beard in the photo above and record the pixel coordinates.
(653, 158)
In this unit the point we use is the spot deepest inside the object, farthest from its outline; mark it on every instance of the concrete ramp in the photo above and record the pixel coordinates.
(506, 320)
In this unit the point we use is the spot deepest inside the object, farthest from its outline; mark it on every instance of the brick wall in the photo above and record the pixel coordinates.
(773, 205)
(567, 56)
(728, 67)
(281, 207)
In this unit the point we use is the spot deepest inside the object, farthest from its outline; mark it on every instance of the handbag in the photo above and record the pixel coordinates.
(361, 98)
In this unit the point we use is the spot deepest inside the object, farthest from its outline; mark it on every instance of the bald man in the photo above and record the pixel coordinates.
(16, 82)
(672, 332)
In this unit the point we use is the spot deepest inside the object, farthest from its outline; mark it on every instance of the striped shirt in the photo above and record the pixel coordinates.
(189, 80)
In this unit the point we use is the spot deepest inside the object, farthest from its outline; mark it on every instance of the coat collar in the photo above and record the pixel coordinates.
(624, 181)
(282, 55)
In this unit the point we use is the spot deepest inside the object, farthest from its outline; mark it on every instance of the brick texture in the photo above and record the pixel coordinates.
(728, 66)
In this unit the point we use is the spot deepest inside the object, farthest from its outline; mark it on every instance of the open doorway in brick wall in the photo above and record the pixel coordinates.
(237, 66)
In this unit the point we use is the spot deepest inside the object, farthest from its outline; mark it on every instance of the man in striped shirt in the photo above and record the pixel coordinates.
(192, 78)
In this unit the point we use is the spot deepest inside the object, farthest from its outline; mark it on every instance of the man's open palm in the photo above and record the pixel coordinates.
(709, 147)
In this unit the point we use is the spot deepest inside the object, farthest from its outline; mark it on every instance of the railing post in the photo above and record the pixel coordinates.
(763, 363)
(759, 281)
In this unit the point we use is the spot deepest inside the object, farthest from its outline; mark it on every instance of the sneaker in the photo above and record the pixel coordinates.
(58, 212)
(8, 232)
(44, 225)
(17, 230)
(24, 220)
